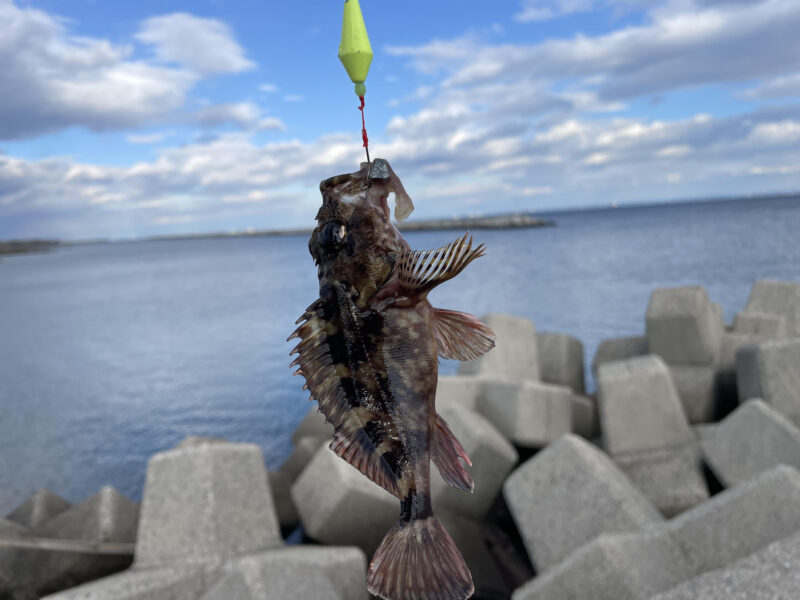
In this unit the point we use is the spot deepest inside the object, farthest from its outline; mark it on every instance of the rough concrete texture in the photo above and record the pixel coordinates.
(697, 389)
(752, 439)
(492, 458)
(458, 390)
(771, 371)
(338, 505)
(769, 574)
(561, 360)
(740, 520)
(41, 506)
(761, 324)
(176, 583)
(302, 452)
(567, 495)
(639, 406)
(585, 420)
(777, 298)
(108, 516)
(469, 537)
(529, 413)
(630, 566)
(345, 568)
(232, 586)
(10, 577)
(203, 502)
(683, 326)
(615, 349)
(670, 478)
(280, 485)
(313, 425)
(730, 345)
(514, 354)
(267, 580)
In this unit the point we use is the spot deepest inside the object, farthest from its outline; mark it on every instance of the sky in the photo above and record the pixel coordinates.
(127, 119)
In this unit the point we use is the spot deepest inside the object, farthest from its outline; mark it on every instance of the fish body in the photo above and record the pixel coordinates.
(368, 351)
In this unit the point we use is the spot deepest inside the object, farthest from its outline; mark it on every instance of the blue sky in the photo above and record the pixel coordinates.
(121, 119)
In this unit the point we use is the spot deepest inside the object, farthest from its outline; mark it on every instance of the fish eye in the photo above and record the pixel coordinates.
(332, 236)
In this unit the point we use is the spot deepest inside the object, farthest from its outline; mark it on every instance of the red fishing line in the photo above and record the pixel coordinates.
(363, 125)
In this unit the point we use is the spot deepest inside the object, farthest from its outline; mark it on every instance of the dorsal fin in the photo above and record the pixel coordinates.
(460, 336)
(357, 449)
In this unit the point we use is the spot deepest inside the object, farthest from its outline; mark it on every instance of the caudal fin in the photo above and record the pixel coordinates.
(419, 560)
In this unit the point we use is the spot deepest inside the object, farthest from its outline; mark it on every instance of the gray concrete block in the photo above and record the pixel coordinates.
(176, 583)
(338, 505)
(313, 425)
(492, 458)
(514, 354)
(345, 568)
(771, 371)
(303, 451)
(205, 502)
(697, 389)
(199, 440)
(458, 390)
(671, 478)
(769, 574)
(280, 485)
(615, 349)
(529, 413)
(41, 506)
(683, 326)
(777, 298)
(268, 580)
(232, 586)
(629, 566)
(730, 345)
(752, 439)
(568, 494)
(761, 324)
(108, 516)
(585, 418)
(469, 537)
(639, 407)
(11, 579)
(561, 360)
(740, 520)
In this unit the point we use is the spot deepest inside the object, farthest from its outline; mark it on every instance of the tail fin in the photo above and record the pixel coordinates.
(419, 560)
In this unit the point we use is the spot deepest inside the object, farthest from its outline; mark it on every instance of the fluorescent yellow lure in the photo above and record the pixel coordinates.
(355, 51)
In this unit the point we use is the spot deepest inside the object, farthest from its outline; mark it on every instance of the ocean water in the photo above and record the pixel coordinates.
(112, 352)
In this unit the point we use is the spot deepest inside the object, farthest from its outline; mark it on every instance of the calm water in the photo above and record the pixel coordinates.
(109, 353)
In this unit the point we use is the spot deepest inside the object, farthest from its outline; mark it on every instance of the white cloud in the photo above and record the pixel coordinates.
(293, 98)
(778, 87)
(202, 45)
(268, 88)
(543, 10)
(60, 80)
(147, 138)
(244, 115)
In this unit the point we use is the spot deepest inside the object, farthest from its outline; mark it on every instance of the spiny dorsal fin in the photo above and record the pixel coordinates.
(460, 336)
(447, 454)
(419, 272)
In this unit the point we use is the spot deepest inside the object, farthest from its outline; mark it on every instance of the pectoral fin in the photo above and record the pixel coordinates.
(460, 336)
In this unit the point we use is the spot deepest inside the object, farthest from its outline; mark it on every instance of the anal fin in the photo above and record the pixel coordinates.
(460, 336)
(447, 454)
(358, 449)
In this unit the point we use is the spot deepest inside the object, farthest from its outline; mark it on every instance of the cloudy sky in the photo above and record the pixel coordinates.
(128, 119)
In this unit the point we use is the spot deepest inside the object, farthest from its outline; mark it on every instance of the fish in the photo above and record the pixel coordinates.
(368, 350)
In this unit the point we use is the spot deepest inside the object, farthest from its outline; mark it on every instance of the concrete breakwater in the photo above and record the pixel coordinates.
(679, 478)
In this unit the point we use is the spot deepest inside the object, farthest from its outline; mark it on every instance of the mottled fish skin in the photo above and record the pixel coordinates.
(373, 367)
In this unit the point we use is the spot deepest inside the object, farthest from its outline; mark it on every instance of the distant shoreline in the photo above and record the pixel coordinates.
(27, 246)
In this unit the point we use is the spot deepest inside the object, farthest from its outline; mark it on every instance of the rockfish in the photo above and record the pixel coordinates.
(368, 351)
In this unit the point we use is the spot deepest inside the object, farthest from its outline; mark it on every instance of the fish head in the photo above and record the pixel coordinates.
(355, 244)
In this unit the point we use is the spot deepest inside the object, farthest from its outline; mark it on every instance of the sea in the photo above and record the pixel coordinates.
(112, 352)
